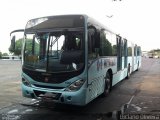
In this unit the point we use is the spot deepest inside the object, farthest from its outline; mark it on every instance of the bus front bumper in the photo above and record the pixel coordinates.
(58, 96)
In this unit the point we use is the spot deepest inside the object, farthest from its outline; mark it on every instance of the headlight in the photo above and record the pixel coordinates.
(75, 86)
(26, 82)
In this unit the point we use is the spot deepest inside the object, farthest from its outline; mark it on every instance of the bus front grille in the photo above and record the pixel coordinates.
(49, 87)
(50, 95)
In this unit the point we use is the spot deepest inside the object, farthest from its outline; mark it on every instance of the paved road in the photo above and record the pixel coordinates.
(139, 94)
(10, 79)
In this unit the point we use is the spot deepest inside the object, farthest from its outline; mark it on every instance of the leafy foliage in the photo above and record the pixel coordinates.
(30, 48)
(5, 54)
(18, 47)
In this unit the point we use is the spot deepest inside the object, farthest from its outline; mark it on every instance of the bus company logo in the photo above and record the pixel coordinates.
(46, 79)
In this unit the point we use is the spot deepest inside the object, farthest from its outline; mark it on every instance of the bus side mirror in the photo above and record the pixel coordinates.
(12, 47)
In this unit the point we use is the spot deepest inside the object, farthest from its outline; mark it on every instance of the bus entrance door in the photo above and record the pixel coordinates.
(125, 53)
(119, 53)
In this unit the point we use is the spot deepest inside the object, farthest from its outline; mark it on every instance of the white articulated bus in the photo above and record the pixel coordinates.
(72, 59)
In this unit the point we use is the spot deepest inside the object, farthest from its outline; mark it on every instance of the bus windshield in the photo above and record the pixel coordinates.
(54, 51)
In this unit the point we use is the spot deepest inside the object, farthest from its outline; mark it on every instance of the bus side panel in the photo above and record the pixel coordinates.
(122, 63)
(133, 58)
(130, 63)
(139, 61)
(119, 75)
(95, 79)
(135, 63)
(96, 76)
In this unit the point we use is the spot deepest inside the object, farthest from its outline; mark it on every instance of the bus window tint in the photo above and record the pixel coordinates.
(129, 49)
(107, 47)
(91, 39)
(135, 50)
(138, 51)
(122, 47)
(114, 45)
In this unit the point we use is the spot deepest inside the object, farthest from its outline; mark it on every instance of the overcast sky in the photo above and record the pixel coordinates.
(136, 20)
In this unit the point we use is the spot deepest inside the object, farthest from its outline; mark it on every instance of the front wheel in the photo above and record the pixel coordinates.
(107, 86)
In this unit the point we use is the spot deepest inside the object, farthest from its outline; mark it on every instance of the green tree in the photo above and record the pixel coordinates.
(106, 46)
(28, 47)
(18, 47)
(5, 54)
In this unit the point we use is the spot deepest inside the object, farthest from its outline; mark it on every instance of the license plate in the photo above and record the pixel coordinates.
(50, 95)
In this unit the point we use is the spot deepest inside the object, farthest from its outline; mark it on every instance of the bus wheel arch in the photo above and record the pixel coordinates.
(108, 83)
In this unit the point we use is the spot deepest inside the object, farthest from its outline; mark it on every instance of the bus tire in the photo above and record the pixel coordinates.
(107, 86)
(128, 72)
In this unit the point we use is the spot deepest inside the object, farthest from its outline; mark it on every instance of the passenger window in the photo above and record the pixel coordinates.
(91, 52)
(106, 44)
